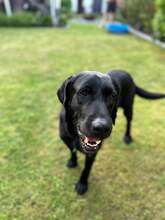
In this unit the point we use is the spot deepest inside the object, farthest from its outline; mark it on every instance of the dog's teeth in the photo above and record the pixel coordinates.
(98, 142)
(92, 145)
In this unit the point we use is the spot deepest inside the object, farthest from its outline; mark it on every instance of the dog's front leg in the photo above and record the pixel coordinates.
(82, 184)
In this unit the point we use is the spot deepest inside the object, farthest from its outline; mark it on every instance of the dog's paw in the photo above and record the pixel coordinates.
(127, 139)
(81, 188)
(71, 164)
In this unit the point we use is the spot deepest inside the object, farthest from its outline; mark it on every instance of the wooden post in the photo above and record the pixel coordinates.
(53, 12)
(74, 6)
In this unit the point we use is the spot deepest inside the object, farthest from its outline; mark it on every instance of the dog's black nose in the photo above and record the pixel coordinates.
(101, 126)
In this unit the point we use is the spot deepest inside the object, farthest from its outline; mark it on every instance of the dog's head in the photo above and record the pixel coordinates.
(90, 101)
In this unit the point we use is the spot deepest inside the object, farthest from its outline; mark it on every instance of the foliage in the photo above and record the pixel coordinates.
(65, 12)
(24, 19)
(17, 19)
(126, 182)
(159, 20)
(63, 20)
(139, 13)
(43, 20)
(66, 7)
(66, 4)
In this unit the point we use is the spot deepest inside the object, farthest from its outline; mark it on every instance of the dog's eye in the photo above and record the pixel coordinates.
(85, 91)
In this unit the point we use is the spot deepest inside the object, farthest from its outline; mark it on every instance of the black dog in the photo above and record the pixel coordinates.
(90, 101)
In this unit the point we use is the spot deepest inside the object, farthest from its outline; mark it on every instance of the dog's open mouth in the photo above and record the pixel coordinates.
(89, 144)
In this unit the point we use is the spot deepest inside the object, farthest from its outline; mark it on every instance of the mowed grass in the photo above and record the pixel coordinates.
(127, 182)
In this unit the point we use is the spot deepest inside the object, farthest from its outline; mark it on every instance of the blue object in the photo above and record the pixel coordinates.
(118, 28)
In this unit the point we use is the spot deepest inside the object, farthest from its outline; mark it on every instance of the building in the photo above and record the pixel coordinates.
(88, 6)
(78, 6)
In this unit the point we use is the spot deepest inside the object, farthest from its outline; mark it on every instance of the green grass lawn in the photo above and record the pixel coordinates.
(127, 182)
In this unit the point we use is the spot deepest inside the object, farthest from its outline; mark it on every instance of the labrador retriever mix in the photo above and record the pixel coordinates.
(90, 101)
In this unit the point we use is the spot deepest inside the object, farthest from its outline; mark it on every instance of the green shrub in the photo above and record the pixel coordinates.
(3, 20)
(63, 20)
(66, 8)
(66, 4)
(139, 14)
(65, 13)
(24, 19)
(43, 20)
(159, 20)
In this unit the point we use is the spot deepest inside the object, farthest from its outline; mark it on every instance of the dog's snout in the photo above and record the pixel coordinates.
(101, 126)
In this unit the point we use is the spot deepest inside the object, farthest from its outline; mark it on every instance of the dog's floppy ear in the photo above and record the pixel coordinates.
(115, 107)
(63, 92)
(114, 114)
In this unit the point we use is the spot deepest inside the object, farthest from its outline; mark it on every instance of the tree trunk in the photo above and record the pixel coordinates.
(80, 6)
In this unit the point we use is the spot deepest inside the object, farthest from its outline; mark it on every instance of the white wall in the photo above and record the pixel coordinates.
(87, 2)
(74, 5)
(87, 5)
(104, 6)
(58, 4)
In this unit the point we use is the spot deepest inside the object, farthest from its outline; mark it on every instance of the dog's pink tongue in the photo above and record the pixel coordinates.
(89, 139)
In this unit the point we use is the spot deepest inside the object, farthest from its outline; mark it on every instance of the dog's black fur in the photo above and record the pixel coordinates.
(90, 101)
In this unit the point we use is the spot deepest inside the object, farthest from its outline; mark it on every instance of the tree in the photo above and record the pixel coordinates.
(159, 20)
